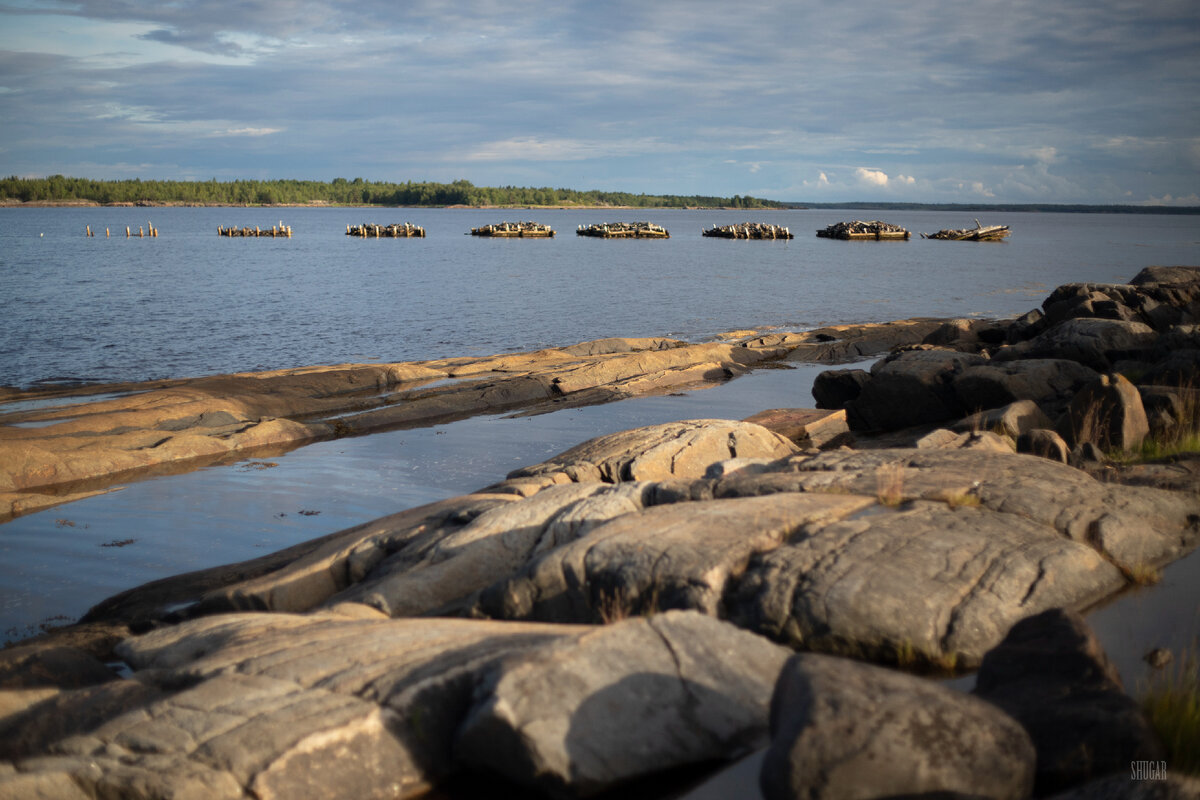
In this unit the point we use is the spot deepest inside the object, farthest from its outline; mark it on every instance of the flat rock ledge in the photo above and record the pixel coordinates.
(61, 445)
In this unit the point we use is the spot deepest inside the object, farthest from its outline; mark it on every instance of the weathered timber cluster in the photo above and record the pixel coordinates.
(748, 230)
(277, 230)
(980, 233)
(525, 230)
(624, 230)
(395, 231)
(857, 229)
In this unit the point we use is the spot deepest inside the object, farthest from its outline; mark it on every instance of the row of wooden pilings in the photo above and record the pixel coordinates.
(141, 232)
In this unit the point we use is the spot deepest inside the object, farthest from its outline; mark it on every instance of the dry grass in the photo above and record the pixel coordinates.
(889, 484)
(1172, 703)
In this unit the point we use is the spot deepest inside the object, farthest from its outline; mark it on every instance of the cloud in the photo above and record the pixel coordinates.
(246, 132)
(1167, 200)
(871, 177)
(1066, 102)
(534, 148)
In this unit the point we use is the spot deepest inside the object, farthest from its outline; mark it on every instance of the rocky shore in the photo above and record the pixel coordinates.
(648, 604)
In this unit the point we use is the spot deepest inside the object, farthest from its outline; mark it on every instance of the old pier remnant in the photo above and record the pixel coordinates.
(275, 231)
(748, 230)
(515, 230)
(857, 229)
(980, 233)
(398, 230)
(624, 230)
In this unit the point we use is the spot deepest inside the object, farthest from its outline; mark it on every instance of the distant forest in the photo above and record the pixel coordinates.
(340, 191)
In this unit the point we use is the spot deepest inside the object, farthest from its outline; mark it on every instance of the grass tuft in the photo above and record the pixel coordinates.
(1172, 703)
(889, 484)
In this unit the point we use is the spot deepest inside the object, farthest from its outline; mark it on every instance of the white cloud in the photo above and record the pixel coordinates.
(908, 180)
(871, 177)
(1170, 200)
(535, 148)
(246, 132)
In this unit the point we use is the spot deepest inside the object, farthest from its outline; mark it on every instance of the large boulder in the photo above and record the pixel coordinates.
(836, 388)
(1050, 383)
(841, 729)
(1051, 674)
(911, 388)
(624, 701)
(1096, 343)
(1108, 413)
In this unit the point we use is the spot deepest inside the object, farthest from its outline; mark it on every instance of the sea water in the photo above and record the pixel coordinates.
(189, 303)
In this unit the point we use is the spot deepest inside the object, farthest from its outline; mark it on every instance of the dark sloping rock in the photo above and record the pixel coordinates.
(589, 713)
(1048, 382)
(841, 729)
(32, 665)
(1051, 674)
(910, 388)
(1095, 343)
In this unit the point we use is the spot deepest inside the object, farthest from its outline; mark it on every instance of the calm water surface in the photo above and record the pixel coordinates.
(191, 303)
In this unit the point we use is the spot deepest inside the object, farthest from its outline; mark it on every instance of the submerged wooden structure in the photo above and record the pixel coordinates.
(515, 230)
(395, 231)
(980, 233)
(857, 229)
(624, 230)
(748, 230)
(276, 231)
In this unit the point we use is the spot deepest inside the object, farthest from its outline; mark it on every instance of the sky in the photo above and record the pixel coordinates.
(1053, 101)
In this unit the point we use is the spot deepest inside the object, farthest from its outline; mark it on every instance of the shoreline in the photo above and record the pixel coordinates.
(52, 452)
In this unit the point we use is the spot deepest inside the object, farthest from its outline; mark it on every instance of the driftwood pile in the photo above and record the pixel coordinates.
(278, 230)
(396, 231)
(857, 229)
(980, 233)
(748, 230)
(624, 230)
(524, 230)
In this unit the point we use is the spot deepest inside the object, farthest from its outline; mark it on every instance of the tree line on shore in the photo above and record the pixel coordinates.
(340, 191)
